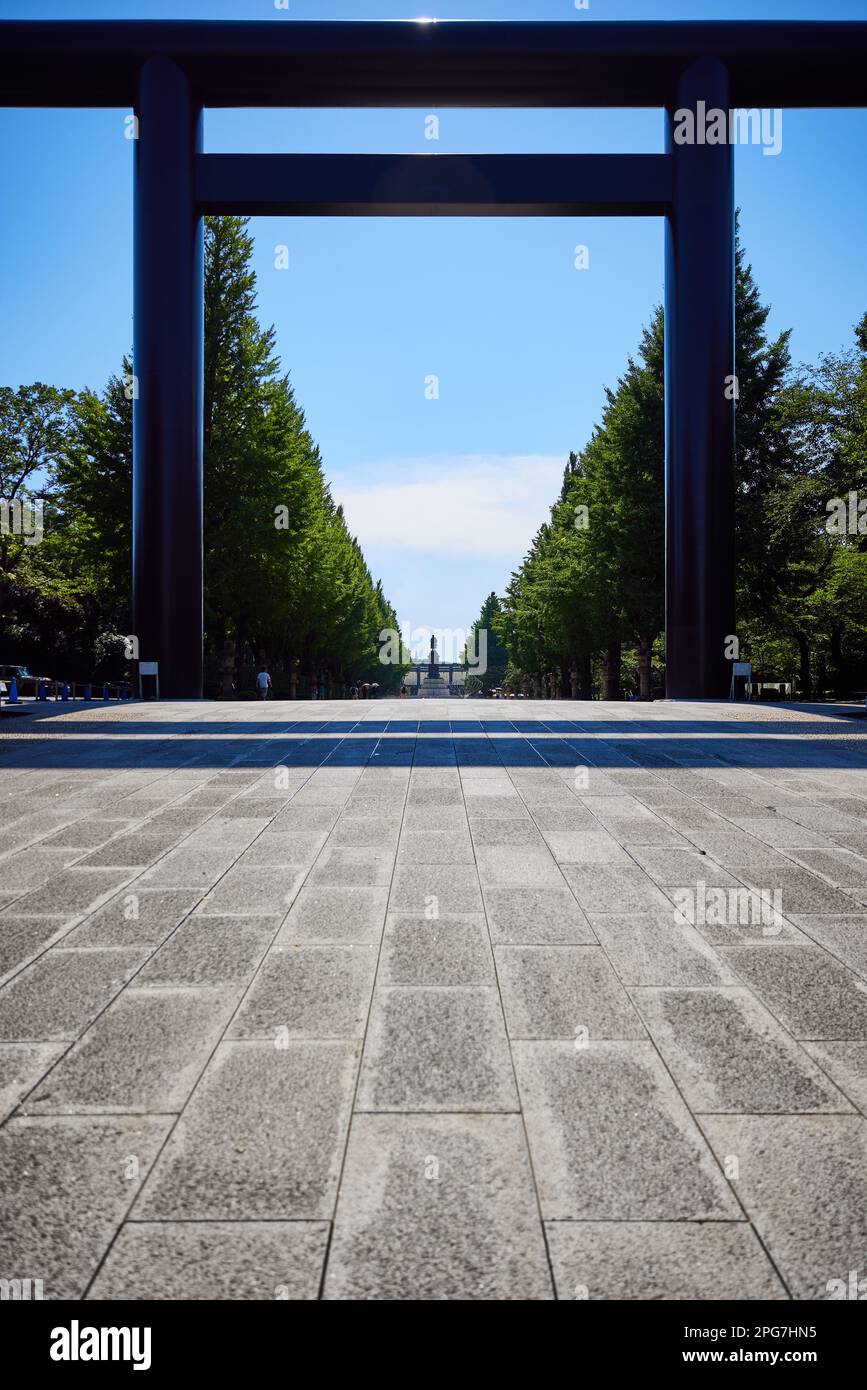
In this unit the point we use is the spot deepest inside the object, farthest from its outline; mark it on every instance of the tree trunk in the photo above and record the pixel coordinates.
(805, 680)
(839, 682)
(645, 651)
(585, 676)
(612, 672)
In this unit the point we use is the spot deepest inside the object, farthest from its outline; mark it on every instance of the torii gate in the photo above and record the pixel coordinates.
(170, 71)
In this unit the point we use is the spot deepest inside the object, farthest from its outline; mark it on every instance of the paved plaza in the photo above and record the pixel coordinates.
(416, 1000)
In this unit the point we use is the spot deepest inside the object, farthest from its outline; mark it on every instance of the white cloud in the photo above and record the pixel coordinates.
(465, 504)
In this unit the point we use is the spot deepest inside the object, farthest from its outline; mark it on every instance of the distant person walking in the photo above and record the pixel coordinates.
(354, 692)
(263, 684)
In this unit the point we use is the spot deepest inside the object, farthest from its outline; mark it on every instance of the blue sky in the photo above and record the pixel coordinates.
(445, 495)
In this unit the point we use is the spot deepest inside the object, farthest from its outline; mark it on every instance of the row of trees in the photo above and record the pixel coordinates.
(584, 612)
(285, 581)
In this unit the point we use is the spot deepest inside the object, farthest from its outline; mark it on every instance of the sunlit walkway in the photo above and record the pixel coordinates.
(388, 1000)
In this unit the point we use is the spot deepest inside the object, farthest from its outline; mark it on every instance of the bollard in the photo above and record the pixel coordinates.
(12, 697)
(106, 693)
(64, 691)
(42, 693)
(87, 694)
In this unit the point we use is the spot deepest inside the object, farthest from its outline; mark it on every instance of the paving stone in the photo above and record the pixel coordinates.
(615, 889)
(842, 867)
(135, 850)
(680, 867)
(655, 832)
(447, 951)
(367, 831)
(282, 851)
(142, 1056)
(611, 1139)
(190, 868)
(843, 934)
(31, 868)
(670, 1260)
(803, 1182)
(237, 1260)
(566, 815)
(253, 892)
(225, 836)
(335, 914)
(436, 1049)
(657, 951)
(439, 847)
(328, 796)
(563, 992)
(353, 867)
(261, 1139)
(56, 997)
(76, 890)
(846, 1064)
(245, 798)
(257, 809)
(86, 834)
(586, 847)
(22, 938)
(801, 891)
(501, 865)
(454, 887)
(496, 808)
(21, 1066)
(67, 1183)
(309, 991)
(620, 806)
(437, 1207)
(727, 1053)
(536, 916)
(181, 819)
(424, 820)
(138, 917)
(303, 820)
(781, 832)
(734, 849)
(752, 929)
(806, 989)
(387, 804)
(211, 951)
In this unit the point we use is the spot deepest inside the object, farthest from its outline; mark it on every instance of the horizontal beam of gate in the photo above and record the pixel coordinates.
(495, 185)
(288, 62)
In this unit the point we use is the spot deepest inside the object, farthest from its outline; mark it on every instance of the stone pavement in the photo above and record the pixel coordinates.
(395, 1001)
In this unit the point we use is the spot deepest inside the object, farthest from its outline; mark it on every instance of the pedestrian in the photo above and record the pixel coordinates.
(354, 692)
(403, 692)
(263, 683)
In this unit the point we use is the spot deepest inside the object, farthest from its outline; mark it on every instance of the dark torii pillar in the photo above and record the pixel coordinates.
(700, 405)
(167, 366)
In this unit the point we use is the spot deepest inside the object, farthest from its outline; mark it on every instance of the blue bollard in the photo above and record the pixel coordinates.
(106, 694)
(42, 693)
(64, 691)
(87, 694)
(12, 698)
